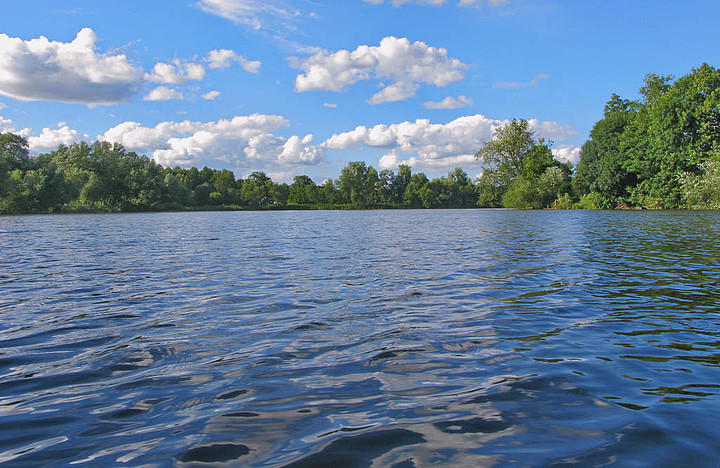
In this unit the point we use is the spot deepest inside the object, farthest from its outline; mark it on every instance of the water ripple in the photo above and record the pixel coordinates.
(394, 338)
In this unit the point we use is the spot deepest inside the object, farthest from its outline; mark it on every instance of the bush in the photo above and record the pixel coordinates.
(521, 194)
(702, 191)
(590, 201)
(565, 202)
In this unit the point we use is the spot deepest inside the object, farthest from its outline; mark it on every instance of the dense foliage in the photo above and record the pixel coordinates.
(520, 172)
(659, 152)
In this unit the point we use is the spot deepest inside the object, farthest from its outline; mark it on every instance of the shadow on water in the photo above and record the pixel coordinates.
(402, 338)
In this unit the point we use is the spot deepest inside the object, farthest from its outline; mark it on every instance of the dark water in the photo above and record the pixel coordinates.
(391, 338)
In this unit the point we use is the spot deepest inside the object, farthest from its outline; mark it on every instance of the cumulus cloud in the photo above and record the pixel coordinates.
(294, 150)
(74, 72)
(516, 84)
(211, 96)
(49, 139)
(135, 137)
(435, 146)
(567, 153)
(233, 141)
(404, 64)
(223, 58)
(7, 126)
(300, 151)
(163, 93)
(449, 103)
(176, 73)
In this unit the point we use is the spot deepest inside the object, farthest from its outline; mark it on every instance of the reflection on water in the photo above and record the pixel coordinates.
(392, 338)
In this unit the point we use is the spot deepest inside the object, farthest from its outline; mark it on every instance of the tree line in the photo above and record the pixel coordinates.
(106, 177)
(660, 151)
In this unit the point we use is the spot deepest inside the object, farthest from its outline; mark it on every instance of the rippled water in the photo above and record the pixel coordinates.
(384, 338)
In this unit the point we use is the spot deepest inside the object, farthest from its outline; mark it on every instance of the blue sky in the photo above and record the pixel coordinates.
(305, 86)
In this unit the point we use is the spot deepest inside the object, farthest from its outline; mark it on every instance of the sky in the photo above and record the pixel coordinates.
(292, 87)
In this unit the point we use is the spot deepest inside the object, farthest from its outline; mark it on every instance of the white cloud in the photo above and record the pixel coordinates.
(134, 136)
(392, 160)
(50, 139)
(238, 11)
(405, 64)
(223, 58)
(516, 84)
(176, 73)
(263, 146)
(211, 96)
(394, 92)
(2, 106)
(330, 105)
(449, 103)
(550, 130)
(300, 151)
(40, 69)
(162, 93)
(435, 146)
(281, 176)
(6, 125)
(233, 141)
(294, 150)
(256, 14)
(567, 153)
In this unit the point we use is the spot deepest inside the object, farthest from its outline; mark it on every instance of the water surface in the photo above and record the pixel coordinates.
(383, 338)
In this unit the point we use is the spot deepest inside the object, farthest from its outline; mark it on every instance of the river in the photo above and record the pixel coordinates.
(358, 338)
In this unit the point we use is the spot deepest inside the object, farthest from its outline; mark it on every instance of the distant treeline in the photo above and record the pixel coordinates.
(106, 177)
(662, 151)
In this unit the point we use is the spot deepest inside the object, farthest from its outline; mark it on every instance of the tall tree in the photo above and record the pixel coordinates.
(513, 162)
(603, 159)
(506, 151)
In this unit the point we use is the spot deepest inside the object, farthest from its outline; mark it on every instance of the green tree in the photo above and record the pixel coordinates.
(489, 189)
(603, 160)
(329, 194)
(303, 191)
(400, 184)
(357, 184)
(681, 132)
(14, 152)
(412, 197)
(505, 154)
(643, 153)
(256, 190)
(384, 193)
(514, 162)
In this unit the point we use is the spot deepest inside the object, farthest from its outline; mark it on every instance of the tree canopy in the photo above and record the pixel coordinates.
(519, 171)
(653, 151)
